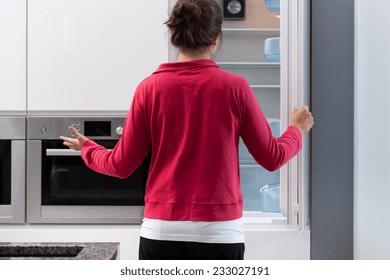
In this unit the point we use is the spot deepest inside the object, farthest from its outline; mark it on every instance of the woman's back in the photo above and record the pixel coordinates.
(194, 112)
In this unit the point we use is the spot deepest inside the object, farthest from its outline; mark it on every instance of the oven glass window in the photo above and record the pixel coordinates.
(67, 181)
(5, 172)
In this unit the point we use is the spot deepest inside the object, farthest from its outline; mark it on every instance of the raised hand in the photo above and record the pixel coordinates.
(74, 143)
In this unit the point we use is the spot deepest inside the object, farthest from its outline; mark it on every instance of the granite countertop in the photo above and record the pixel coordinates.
(59, 251)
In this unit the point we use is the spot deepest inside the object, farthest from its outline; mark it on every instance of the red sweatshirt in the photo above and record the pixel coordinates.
(191, 115)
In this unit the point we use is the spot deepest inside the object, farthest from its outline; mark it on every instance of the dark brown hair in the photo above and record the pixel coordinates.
(195, 24)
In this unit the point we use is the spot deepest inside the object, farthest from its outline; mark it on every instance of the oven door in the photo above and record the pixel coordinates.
(61, 189)
(12, 170)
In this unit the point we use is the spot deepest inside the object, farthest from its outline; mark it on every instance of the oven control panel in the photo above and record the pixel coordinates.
(92, 127)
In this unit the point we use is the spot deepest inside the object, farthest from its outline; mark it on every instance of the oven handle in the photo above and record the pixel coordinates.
(64, 152)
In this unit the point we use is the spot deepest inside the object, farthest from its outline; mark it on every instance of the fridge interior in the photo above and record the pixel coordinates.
(242, 52)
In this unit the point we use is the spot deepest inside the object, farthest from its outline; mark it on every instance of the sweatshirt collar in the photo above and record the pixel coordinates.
(181, 65)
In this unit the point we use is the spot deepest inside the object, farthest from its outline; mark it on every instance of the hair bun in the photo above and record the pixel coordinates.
(188, 12)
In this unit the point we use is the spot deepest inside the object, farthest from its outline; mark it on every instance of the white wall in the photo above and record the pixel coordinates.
(372, 133)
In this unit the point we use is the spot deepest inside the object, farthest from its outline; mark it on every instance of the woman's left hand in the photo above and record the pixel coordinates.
(74, 143)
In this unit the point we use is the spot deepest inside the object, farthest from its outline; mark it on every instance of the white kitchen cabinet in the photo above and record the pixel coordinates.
(86, 56)
(13, 57)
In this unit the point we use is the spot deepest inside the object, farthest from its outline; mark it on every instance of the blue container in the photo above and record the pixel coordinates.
(273, 6)
(272, 49)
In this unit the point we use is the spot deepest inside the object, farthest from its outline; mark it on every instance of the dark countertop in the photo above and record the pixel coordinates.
(59, 251)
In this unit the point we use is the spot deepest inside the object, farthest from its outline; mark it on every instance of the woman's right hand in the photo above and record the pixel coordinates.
(302, 119)
(74, 143)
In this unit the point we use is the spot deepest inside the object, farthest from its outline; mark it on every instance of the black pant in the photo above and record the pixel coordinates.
(180, 250)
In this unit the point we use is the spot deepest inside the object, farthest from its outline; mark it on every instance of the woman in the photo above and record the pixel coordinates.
(190, 114)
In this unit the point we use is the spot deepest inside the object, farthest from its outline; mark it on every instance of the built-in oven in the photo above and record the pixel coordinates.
(12, 169)
(61, 189)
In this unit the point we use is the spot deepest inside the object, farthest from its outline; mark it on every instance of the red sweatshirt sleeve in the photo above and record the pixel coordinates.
(270, 152)
(128, 153)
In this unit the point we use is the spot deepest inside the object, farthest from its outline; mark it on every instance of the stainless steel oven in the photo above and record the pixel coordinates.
(61, 189)
(12, 169)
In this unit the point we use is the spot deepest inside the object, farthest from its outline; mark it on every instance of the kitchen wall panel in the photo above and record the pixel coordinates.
(12, 56)
(90, 55)
(371, 149)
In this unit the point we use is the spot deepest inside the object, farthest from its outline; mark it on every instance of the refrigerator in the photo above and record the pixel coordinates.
(267, 42)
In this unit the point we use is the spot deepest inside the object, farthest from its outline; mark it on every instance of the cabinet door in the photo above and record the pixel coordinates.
(13, 56)
(89, 55)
